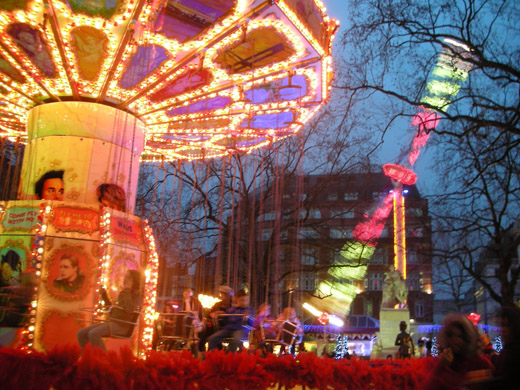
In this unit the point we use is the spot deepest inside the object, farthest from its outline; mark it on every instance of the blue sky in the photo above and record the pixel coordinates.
(396, 137)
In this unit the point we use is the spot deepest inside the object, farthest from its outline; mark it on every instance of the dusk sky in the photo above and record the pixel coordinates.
(397, 137)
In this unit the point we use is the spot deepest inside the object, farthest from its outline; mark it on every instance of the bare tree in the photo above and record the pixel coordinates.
(206, 212)
(390, 49)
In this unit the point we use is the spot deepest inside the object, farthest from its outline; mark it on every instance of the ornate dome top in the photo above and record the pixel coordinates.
(207, 77)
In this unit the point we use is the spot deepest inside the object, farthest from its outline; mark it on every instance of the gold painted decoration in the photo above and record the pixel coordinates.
(90, 46)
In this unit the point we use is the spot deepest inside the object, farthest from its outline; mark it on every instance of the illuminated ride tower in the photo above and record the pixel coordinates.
(93, 89)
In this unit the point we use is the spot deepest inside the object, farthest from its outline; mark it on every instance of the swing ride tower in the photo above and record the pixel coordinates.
(93, 88)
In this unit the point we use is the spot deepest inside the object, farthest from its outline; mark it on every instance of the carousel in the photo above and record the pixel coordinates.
(92, 88)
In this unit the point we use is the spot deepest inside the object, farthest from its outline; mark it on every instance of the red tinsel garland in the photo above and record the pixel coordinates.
(69, 368)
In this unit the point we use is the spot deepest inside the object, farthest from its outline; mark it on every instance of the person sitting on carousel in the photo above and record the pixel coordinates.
(233, 326)
(220, 307)
(263, 328)
(128, 301)
(289, 314)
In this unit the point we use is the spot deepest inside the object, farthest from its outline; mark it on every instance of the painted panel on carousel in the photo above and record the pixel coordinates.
(74, 148)
(66, 288)
(18, 217)
(15, 258)
(123, 260)
(126, 229)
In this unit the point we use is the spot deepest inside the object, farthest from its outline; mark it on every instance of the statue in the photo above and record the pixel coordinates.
(394, 289)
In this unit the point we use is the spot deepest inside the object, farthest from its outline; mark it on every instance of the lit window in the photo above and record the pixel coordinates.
(332, 196)
(375, 281)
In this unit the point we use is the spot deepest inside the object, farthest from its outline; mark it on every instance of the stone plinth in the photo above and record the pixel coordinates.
(389, 320)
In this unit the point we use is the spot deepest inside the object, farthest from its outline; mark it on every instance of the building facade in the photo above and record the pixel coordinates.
(301, 229)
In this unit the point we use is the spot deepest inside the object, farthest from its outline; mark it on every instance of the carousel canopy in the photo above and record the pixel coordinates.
(207, 77)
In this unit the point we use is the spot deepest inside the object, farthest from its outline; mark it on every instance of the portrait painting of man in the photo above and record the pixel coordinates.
(70, 278)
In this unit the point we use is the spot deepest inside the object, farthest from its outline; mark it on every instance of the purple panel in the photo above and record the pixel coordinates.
(202, 105)
(186, 82)
(274, 91)
(269, 121)
(183, 19)
(144, 61)
(300, 89)
(31, 42)
(172, 27)
(212, 8)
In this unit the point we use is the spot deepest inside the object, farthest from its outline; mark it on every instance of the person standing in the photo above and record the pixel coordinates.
(405, 343)
(460, 364)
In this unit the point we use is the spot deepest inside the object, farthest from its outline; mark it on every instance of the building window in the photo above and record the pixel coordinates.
(315, 213)
(266, 234)
(415, 211)
(415, 232)
(268, 216)
(308, 281)
(307, 233)
(303, 197)
(380, 256)
(413, 282)
(350, 196)
(378, 194)
(283, 235)
(312, 214)
(375, 281)
(419, 309)
(368, 309)
(287, 213)
(411, 256)
(332, 196)
(344, 213)
(341, 233)
(310, 256)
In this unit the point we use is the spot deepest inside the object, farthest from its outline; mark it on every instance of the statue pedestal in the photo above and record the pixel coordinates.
(389, 320)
